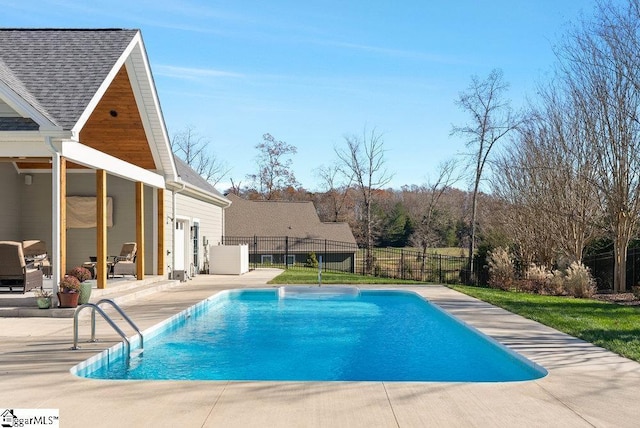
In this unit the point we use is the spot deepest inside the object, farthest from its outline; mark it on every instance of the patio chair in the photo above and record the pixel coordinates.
(125, 263)
(14, 272)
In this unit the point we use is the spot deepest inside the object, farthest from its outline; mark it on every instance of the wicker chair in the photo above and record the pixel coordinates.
(125, 263)
(14, 272)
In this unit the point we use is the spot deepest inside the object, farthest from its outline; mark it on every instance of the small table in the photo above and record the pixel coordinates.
(91, 267)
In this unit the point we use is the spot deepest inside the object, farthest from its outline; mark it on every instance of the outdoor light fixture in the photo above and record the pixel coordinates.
(28, 179)
(113, 113)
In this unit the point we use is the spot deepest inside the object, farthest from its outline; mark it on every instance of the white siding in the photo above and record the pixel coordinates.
(7, 111)
(210, 221)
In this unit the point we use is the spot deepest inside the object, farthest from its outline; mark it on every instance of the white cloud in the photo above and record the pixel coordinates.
(192, 73)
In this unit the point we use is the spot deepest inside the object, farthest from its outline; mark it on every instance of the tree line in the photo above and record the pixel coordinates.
(563, 174)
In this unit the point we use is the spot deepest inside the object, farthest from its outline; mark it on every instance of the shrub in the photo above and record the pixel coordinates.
(312, 261)
(69, 284)
(80, 273)
(536, 280)
(556, 283)
(501, 270)
(578, 282)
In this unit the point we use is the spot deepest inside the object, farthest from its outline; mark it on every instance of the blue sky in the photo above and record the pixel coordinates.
(310, 72)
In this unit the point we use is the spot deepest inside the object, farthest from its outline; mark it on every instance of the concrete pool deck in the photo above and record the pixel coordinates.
(586, 385)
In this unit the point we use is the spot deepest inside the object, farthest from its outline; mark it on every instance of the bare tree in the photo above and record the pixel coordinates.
(195, 151)
(491, 119)
(336, 188)
(274, 167)
(546, 181)
(601, 69)
(424, 212)
(363, 160)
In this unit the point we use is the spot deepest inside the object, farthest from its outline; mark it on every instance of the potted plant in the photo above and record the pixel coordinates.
(82, 274)
(43, 298)
(69, 292)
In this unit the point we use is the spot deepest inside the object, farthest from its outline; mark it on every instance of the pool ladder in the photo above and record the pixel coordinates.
(95, 307)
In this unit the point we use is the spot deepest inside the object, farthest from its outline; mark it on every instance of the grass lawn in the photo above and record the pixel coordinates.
(308, 276)
(611, 326)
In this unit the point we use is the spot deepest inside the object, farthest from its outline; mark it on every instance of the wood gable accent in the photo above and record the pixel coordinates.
(115, 126)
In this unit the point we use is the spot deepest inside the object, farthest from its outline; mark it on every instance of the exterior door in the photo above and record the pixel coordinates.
(179, 246)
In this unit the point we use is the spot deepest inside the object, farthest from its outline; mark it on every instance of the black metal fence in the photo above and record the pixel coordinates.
(414, 265)
(601, 266)
(286, 252)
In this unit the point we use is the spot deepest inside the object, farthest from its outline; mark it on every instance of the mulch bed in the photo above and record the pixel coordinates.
(626, 299)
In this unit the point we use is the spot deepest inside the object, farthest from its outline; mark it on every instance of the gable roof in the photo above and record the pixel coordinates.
(52, 81)
(246, 218)
(58, 71)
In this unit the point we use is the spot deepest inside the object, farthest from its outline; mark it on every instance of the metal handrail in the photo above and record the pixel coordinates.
(115, 306)
(95, 307)
(106, 318)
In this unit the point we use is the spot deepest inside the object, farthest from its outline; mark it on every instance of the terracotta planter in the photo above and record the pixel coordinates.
(68, 300)
(85, 293)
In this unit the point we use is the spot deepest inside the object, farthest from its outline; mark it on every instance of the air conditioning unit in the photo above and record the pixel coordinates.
(180, 275)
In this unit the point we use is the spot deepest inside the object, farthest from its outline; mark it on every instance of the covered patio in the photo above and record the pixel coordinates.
(81, 124)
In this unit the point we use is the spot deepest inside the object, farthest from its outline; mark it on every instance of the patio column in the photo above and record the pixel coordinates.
(63, 216)
(101, 223)
(58, 222)
(140, 230)
(161, 222)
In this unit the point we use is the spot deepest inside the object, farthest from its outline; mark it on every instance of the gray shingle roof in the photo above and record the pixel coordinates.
(188, 175)
(281, 218)
(58, 71)
(18, 124)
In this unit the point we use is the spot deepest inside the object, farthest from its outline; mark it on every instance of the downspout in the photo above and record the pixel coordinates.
(55, 213)
(174, 192)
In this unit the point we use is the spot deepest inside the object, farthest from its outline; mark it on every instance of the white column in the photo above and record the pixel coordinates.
(55, 220)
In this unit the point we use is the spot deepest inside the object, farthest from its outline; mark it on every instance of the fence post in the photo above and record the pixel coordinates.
(325, 251)
(286, 252)
(402, 263)
(440, 267)
(255, 252)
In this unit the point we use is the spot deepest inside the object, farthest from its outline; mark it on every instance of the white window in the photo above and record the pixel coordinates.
(266, 259)
(291, 259)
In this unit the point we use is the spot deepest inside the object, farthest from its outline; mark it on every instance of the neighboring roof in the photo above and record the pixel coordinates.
(281, 218)
(188, 175)
(58, 71)
(18, 124)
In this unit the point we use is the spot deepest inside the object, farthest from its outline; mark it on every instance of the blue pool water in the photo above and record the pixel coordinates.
(371, 336)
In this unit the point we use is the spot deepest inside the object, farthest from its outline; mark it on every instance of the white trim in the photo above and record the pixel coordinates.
(33, 136)
(96, 159)
(196, 192)
(156, 103)
(154, 232)
(56, 203)
(24, 149)
(24, 108)
(142, 111)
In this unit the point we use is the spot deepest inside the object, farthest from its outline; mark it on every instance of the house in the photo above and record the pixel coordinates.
(282, 232)
(81, 126)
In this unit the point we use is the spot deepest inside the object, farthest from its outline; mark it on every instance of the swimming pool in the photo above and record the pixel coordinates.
(315, 334)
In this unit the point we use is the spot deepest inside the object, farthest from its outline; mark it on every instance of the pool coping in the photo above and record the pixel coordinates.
(586, 385)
